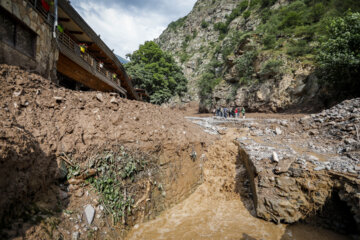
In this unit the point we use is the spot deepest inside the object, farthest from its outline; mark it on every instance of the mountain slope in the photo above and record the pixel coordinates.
(260, 54)
(122, 60)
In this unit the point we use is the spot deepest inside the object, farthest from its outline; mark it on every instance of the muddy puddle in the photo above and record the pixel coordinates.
(217, 210)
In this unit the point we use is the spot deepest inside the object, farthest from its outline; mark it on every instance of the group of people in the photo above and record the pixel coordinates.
(230, 112)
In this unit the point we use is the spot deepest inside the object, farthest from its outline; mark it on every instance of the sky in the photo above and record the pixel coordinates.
(125, 24)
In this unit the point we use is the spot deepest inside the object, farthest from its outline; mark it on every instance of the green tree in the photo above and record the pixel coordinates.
(339, 55)
(156, 72)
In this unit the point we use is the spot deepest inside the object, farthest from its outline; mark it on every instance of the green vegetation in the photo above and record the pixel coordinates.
(245, 66)
(113, 170)
(177, 24)
(156, 72)
(204, 24)
(209, 80)
(271, 68)
(339, 56)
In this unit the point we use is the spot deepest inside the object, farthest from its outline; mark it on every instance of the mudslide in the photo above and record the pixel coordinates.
(221, 208)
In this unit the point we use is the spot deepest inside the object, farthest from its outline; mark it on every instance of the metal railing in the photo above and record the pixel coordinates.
(68, 42)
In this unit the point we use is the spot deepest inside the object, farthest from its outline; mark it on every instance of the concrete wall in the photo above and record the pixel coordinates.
(46, 52)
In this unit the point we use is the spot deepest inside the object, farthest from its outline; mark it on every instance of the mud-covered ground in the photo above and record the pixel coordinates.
(48, 132)
(62, 152)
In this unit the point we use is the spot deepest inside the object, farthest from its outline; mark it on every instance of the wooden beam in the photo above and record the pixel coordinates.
(86, 42)
(93, 51)
(76, 32)
(63, 19)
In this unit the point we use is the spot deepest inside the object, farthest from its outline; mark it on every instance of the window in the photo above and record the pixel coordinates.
(16, 34)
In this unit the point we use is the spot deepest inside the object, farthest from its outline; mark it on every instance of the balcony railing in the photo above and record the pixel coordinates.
(69, 43)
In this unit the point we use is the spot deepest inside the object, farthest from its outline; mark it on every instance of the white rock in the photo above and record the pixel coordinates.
(319, 168)
(113, 100)
(99, 97)
(75, 236)
(275, 157)
(89, 213)
(313, 158)
(278, 131)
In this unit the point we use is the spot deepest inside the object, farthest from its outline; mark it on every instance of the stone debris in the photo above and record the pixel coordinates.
(75, 236)
(278, 131)
(63, 195)
(275, 157)
(89, 213)
(99, 97)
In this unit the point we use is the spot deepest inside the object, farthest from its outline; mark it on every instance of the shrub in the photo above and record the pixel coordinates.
(298, 48)
(245, 65)
(267, 3)
(247, 14)
(204, 24)
(221, 27)
(269, 41)
(177, 24)
(271, 67)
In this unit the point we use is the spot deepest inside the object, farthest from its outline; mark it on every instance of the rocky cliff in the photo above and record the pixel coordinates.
(254, 53)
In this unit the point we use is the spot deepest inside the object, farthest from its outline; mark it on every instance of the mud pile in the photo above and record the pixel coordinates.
(42, 123)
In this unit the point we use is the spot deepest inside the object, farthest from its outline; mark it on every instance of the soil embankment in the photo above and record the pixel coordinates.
(45, 127)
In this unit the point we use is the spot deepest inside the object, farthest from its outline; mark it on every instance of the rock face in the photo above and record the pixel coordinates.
(274, 81)
(307, 177)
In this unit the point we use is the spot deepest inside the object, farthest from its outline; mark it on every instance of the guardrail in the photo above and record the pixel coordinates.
(68, 42)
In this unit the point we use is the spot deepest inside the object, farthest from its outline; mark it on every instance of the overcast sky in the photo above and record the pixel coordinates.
(125, 24)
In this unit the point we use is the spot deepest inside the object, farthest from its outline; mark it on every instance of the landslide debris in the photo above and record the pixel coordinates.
(302, 168)
(318, 170)
(48, 132)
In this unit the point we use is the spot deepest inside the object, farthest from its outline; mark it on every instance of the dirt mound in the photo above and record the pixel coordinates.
(25, 168)
(41, 123)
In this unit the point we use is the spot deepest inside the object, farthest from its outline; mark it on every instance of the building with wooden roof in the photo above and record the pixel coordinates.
(51, 38)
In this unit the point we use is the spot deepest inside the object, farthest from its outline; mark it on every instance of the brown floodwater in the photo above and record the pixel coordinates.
(217, 211)
(202, 216)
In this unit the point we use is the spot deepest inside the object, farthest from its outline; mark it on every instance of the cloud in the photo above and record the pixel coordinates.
(125, 24)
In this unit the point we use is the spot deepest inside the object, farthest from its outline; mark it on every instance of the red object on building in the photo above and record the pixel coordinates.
(45, 5)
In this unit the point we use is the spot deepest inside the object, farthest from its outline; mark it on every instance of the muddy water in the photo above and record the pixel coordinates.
(216, 210)
(211, 218)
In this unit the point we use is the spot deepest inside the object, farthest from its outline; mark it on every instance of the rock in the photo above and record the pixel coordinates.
(284, 165)
(75, 236)
(313, 158)
(59, 99)
(89, 213)
(349, 141)
(278, 131)
(275, 157)
(62, 171)
(114, 100)
(99, 97)
(18, 93)
(357, 168)
(63, 195)
(319, 168)
(79, 193)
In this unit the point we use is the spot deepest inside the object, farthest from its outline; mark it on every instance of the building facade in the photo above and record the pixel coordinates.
(70, 53)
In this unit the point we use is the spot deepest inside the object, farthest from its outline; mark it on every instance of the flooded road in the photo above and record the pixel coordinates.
(219, 210)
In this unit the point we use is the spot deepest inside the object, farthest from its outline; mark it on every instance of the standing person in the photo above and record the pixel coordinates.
(236, 113)
(225, 112)
(243, 112)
